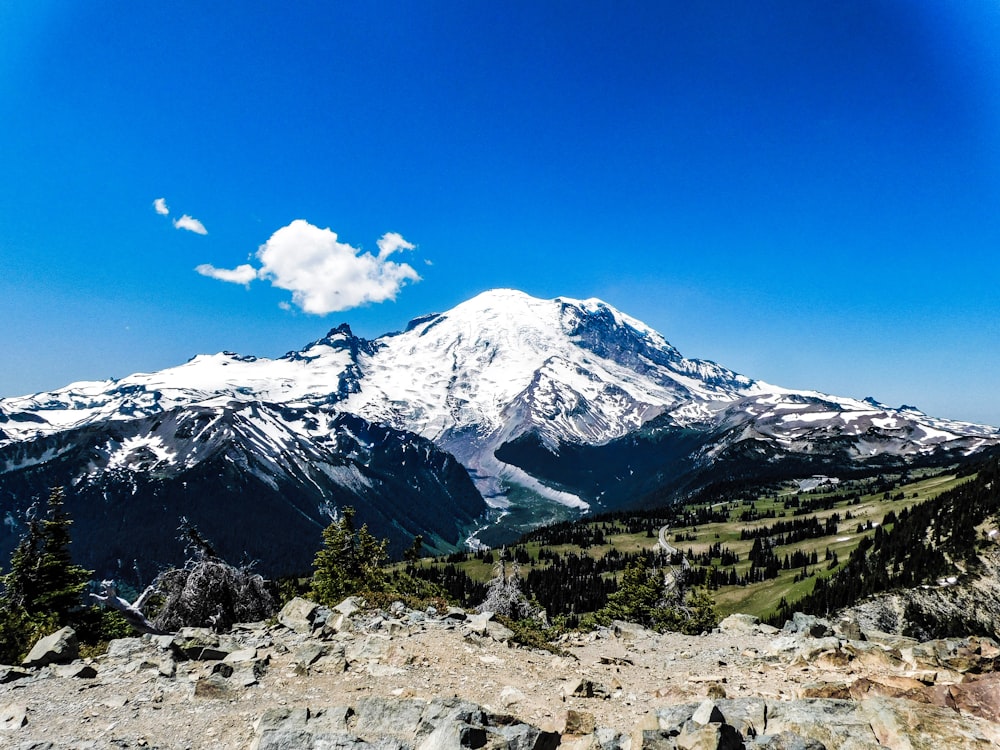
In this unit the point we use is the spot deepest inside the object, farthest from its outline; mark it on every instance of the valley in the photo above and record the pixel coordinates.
(813, 531)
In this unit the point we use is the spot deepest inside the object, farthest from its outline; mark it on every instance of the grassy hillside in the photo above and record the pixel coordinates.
(755, 548)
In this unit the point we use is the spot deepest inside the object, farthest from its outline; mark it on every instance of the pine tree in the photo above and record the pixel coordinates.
(42, 590)
(349, 561)
(43, 579)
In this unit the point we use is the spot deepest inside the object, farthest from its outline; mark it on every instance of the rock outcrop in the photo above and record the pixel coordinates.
(352, 678)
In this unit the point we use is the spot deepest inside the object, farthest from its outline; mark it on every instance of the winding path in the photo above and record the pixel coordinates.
(671, 578)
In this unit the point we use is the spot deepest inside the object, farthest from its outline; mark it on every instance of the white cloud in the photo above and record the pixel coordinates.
(243, 274)
(391, 242)
(325, 275)
(190, 224)
(160, 206)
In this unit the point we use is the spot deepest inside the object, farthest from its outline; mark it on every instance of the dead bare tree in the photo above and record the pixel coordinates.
(131, 612)
(503, 595)
(209, 592)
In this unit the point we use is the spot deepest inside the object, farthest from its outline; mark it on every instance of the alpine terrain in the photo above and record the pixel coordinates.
(471, 425)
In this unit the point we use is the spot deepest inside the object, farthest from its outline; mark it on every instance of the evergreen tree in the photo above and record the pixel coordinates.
(42, 590)
(43, 579)
(644, 598)
(637, 596)
(349, 561)
(415, 551)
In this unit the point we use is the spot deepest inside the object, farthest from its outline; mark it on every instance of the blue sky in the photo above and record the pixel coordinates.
(804, 191)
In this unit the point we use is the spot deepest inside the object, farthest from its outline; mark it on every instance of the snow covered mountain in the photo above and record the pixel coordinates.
(558, 400)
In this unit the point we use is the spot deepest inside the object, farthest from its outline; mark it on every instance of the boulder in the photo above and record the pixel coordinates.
(298, 615)
(498, 632)
(60, 647)
(903, 724)
(579, 722)
(11, 674)
(200, 644)
(836, 724)
(712, 736)
(979, 695)
(349, 606)
(291, 729)
(381, 716)
(810, 625)
(707, 713)
(478, 623)
(739, 624)
(214, 686)
(13, 716)
(785, 741)
(76, 669)
(370, 648)
(310, 653)
(509, 695)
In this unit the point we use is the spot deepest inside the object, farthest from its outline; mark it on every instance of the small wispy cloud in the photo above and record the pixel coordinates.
(243, 274)
(190, 224)
(323, 274)
(391, 242)
(160, 206)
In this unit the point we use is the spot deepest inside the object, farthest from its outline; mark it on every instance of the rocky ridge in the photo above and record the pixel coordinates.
(348, 677)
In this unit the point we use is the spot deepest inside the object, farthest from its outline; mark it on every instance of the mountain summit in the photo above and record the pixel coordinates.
(551, 406)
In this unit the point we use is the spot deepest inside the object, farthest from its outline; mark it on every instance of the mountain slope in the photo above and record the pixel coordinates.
(552, 406)
(248, 474)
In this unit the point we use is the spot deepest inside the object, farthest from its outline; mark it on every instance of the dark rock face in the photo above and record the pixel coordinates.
(266, 502)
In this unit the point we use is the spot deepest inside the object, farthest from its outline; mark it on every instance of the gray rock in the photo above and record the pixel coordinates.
(498, 632)
(241, 656)
(115, 701)
(671, 718)
(523, 737)
(810, 625)
(785, 741)
(200, 644)
(653, 739)
(214, 686)
(834, 723)
(452, 736)
(349, 606)
(712, 736)
(813, 647)
(739, 624)
(310, 653)
(77, 669)
(371, 647)
(379, 716)
(708, 713)
(607, 738)
(12, 674)
(849, 628)
(298, 615)
(747, 715)
(13, 716)
(915, 726)
(60, 647)
(127, 648)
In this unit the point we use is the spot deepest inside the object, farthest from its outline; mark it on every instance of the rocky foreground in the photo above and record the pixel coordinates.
(349, 679)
